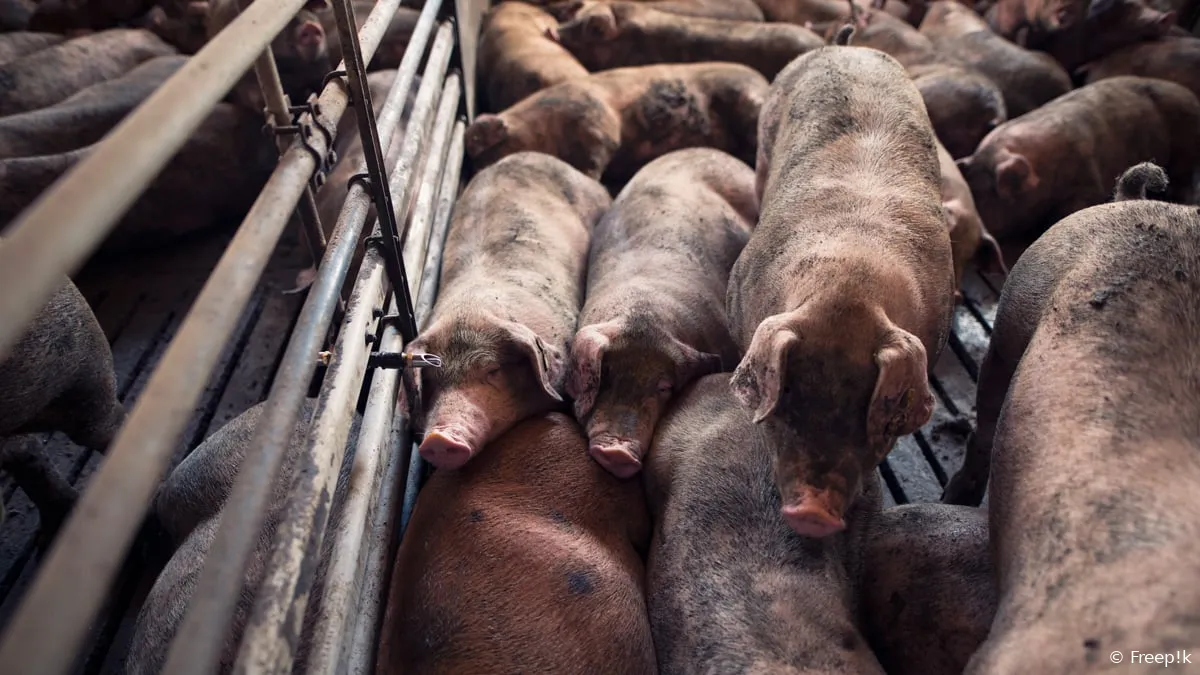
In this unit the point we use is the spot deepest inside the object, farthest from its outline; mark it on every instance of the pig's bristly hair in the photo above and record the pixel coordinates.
(843, 36)
(1138, 180)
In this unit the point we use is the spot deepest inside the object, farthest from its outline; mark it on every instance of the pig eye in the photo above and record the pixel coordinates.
(665, 388)
(492, 372)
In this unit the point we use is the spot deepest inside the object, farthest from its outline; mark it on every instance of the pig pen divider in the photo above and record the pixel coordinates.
(53, 619)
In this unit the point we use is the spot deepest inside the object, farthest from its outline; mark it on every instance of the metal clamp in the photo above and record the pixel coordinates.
(403, 360)
(304, 129)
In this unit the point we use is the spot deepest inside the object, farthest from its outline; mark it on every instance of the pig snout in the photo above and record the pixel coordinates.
(619, 437)
(457, 428)
(817, 513)
(619, 455)
(310, 40)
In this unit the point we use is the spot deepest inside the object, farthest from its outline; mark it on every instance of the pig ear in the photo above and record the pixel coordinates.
(565, 11)
(902, 400)
(963, 164)
(546, 360)
(693, 364)
(600, 25)
(587, 353)
(486, 132)
(1015, 176)
(1166, 22)
(758, 380)
(989, 257)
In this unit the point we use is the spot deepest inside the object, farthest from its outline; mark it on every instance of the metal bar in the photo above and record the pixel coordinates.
(56, 233)
(220, 580)
(447, 196)
(54, 617)
(344, 569)
(382, 541)
(356, 72)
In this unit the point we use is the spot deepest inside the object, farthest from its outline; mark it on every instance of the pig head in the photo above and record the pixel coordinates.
(1009, 192)
(495, 373)
(624, 361)
(1007, 17)
(802, 373)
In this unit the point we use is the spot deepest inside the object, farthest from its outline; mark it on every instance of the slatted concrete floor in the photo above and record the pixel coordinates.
(141, 302)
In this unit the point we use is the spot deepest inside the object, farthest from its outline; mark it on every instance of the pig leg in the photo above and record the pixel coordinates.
(23, 457)
(968, 485)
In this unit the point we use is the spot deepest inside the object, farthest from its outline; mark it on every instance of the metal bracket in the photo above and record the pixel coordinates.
(403, 360)
(304, 130)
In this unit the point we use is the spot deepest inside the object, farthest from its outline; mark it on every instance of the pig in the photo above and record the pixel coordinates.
(969, 239)
(554, 554)
(1039, 168)
(78, 17)
(1008, 17)
(929, 592)
(301, 54)
(731, 10)
(84, 118)
(654, 315)
(50, 75)
(730, 589)
(620, 34)
(14, 15)
(1026, 79)
(1120, 24)
(212, 180)
(15, 45)
(801, 12)
(182, 24)
(508, 302)
(391, 47)
(1173, 59)
(518, 56)
(188, 507)
(963, 105)
(611, 124)
(838, 332)
(1092, 508)
(58, 377)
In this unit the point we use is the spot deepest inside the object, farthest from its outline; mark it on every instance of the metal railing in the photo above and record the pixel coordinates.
(56, 234)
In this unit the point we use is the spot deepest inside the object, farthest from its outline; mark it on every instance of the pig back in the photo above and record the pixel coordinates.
(518, 241)
(15, 45)
(532, 546)
(775, 601)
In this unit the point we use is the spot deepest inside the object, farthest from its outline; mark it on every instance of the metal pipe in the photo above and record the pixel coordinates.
(220, 579)
(263, 644)
(447, 196)
(344, 569)
(53, 237)
(56, 233)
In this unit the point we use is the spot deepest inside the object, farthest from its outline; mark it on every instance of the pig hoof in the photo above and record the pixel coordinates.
(810, 521)
(618, 459)
(444, 451)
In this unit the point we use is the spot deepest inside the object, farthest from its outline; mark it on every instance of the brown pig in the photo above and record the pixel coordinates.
(732, 10)
(15, 45)
(84, 118)
(730, 588)
(58, 377)
(613, 123)
(1092, 508)
(928, 591)
(1008, 17)
(1027, 79)
(1176, 59)
(50, 75)
(301, 53)
(844, 294)
(508, 302)
(391, 47)
(544, 539)
(619, 34)
(1063, 157)
(518, 55)
(1120, 24)
(969, 239)
(803, 12)
(654, 317)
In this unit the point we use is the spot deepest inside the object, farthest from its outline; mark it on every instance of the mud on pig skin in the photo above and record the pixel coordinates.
(189, 504)
(772, 601)
(1094, 523)
(544, 539)
(1122, 23)
(654, 318)
(212, 180)
(1175, 59)
(1027, 79)
(50, 75)
(15, 45)
(609, 35)
(929, 592)
(518, 55)
(613, 123)
(58, 377)
(969, 239)
(1065, 156)
(731, 10)
(508, 302)
(838, 332)
(84, 118)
